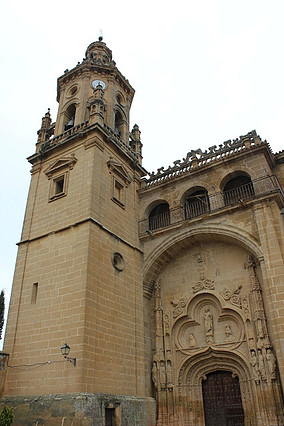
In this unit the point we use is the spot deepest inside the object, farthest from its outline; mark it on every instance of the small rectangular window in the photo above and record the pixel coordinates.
(34, 293)
(118, 193)
(58, 187)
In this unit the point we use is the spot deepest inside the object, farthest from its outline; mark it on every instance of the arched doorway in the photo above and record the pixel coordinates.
(222, 399)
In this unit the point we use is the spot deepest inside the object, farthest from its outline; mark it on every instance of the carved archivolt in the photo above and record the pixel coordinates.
(195, 369)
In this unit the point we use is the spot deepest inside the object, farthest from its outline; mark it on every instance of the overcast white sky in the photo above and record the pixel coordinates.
(204, 71)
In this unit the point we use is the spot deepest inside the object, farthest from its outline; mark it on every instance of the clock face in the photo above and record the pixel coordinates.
(95, 83)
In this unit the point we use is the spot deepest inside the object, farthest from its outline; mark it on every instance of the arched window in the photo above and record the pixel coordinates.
(196, 203)
(159, 216)
(69, 118)
(238, 189)
(118, 124)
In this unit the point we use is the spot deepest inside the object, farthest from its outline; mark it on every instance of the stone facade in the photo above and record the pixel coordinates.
(157, 282)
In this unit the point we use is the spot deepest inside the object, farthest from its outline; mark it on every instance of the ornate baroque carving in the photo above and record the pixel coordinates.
(203, 284)
(232, 296)
(178, 306)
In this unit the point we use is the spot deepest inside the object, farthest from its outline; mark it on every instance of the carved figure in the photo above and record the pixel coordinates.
(154, 375)
(271, 361)
(192, 341)
(228, 333)
(260, 333)
(254, 364)
(208, 325)
(261, 363)
(237, 289)
(246, 309)
(167, 323)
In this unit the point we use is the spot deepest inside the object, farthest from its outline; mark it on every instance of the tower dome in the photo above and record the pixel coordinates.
(99, 54)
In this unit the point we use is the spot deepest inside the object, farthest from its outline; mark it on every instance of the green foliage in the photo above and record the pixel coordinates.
(2, 311)
(6, 416)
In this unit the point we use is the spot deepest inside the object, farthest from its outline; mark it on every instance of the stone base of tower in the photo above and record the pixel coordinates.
(82, 409)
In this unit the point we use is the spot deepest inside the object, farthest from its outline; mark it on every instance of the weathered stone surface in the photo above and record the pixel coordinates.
(80, 409)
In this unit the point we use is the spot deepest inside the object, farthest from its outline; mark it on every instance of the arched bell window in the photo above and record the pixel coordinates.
(159, 216)
(69, 118)
(238, 189)
(118, 124)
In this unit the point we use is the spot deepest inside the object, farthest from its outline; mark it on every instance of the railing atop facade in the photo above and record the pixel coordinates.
(212, 203)
(82, 126)
(69, 132)
(198, 158)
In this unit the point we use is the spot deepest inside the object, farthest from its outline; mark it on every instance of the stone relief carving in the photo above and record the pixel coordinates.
(203, 284)
(261, 363)
(259, 318)
(228, 333)
(271, 362)
(246, 310)
(205, 326)
(192, 341)
(208, 326)
(232, 296)
(178, 306)
(155, 375)
(198, 157)
(254, 363)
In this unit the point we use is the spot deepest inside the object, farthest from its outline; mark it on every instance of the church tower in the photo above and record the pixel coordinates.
(78, 272)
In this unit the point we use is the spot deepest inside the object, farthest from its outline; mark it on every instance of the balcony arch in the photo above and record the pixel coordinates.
(237, 187)
(195, 202)
(159, 215)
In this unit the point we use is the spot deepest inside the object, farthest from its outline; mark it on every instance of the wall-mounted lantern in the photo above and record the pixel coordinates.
(65, 350)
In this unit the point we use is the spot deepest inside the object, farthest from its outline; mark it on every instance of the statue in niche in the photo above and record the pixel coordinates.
(192, 341)
(254, 364)
(162, 374)
(271, 362)
(154, 375)
(228, 333)
(260, 332)
(261, 363)
(208, 325)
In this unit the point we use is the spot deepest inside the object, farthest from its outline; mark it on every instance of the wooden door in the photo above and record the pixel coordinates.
(222, 400)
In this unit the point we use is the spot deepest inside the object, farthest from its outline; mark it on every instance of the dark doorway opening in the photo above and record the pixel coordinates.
(222, 400)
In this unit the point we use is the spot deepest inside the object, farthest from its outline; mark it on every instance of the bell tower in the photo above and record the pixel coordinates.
(78, 271)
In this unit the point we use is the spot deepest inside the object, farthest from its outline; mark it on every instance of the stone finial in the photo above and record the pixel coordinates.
(44, 133)
(136, 133)
(46, 120)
